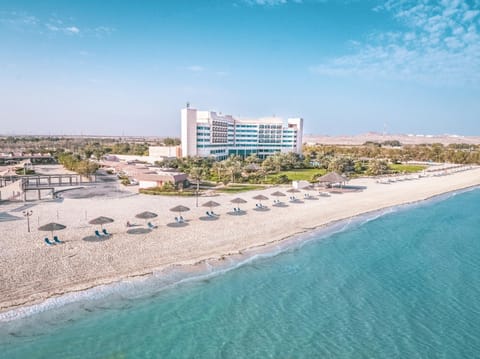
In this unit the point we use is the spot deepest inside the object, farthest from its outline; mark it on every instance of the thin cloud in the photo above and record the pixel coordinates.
(69, 30)
(102, 31)
(195, 68)
(21, 21)
(72, 30)
(440, 44)
(18, 20)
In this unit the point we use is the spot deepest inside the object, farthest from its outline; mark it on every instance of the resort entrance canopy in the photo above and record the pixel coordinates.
(332, 178)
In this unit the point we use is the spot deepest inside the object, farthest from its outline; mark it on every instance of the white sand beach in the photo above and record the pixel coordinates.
(31, 271)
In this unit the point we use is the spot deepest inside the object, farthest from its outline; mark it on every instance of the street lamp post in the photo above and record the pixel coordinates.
(28, 214)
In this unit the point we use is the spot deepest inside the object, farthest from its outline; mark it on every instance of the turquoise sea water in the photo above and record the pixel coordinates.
(404, 285)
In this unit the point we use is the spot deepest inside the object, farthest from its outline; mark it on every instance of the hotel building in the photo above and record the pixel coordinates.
(206, 134)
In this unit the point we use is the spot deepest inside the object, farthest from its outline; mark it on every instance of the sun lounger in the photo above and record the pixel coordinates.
(179, 219)
(47, 241)
(150, 225)
(97, 233)
(105, 232)
(55, 238)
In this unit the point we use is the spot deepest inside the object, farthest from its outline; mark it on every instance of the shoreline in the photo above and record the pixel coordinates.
(39, 302)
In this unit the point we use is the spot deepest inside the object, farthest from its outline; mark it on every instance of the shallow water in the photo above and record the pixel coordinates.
(404, 285)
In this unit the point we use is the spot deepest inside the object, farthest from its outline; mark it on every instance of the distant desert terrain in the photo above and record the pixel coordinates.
(378, 137)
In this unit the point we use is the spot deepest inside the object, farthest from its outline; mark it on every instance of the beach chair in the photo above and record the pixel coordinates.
(97, 233)
(104, 231)
(47, 241)
(151, 226)
(55, 238)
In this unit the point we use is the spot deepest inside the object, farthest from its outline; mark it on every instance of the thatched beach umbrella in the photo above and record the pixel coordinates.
(331, 178)
(211, 204)
(51, 227)
(260, 198)
(180, 209)
(238, 200)
(307, 189)
(293, 190)
(101, 221)
(146, 215)
(277, 194)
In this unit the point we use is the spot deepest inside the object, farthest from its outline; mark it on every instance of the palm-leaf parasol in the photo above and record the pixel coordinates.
(293, 190)
(211, 204)
(146, 215)
(260, 197)
(180, 209)
(101, 221)
(238, 200)
(51, 227)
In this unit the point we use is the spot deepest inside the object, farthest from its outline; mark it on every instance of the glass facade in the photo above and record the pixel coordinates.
(222, 138)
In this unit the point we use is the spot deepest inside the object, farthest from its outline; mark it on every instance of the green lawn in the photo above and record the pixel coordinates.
(406, 168)
(156, 192)
(238, 188)
(300, 174)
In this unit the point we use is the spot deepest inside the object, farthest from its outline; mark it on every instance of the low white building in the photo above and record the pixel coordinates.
(149, 180)
(155, 154)
(165, 152)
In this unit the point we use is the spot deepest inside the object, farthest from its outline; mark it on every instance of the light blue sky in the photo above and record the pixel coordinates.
(127, 67)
